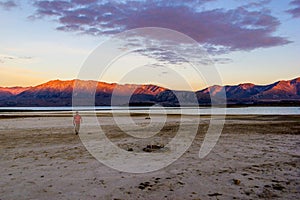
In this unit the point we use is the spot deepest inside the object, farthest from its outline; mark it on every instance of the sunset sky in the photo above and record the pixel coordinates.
(250, 41)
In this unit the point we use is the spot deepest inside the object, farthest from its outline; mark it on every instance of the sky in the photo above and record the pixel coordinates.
(248, 41)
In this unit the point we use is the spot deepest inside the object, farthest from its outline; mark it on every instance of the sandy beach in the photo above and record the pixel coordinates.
(256, 157)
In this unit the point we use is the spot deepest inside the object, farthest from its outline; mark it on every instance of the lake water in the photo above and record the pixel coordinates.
(170, 110)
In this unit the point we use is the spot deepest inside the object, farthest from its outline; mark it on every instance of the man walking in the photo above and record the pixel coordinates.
(76, 122)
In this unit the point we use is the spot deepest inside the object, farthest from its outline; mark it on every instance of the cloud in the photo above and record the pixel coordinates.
(255, 3)
(5, 58)
(222, 60)
(162, 55)
(295, 12)
(7, 5)
(219, 30)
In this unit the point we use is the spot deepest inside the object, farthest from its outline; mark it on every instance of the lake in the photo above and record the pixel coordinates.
(169, 110)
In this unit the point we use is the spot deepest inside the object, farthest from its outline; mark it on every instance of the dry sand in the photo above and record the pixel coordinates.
(256, 157)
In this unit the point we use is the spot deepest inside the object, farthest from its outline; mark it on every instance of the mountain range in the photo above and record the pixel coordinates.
(59, 93)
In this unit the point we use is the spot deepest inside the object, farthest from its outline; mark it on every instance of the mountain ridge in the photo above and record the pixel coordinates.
(59, 93)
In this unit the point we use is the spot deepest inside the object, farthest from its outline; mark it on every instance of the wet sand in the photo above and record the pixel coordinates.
(256, 157)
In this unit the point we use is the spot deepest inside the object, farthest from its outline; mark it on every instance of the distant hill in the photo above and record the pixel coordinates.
(11, 91)
(59, 93)
(247, 93)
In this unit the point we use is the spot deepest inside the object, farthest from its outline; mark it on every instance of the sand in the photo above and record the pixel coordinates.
(256, 157)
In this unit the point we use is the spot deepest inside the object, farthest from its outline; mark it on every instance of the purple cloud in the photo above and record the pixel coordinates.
(220, 30)
(7, 5)
(295, 12)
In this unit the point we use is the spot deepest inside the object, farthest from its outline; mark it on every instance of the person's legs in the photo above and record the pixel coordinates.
(77, 127)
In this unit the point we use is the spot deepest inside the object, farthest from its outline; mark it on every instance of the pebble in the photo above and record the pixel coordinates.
(236, 181)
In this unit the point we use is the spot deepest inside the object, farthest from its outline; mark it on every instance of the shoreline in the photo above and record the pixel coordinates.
(201, 112)
(109, 108)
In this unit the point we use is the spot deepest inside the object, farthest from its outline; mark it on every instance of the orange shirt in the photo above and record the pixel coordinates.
(77, 119)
